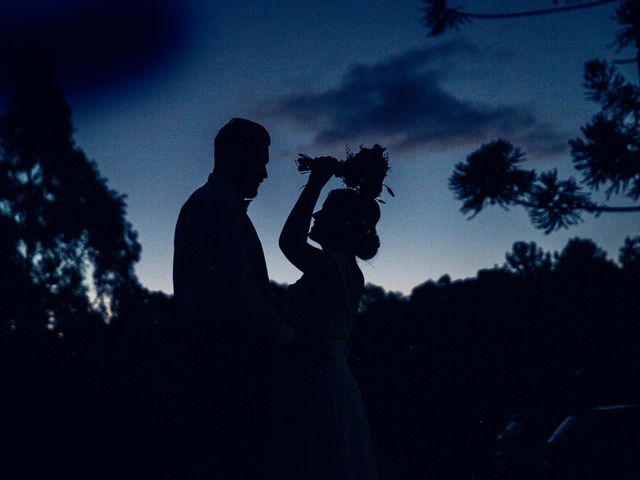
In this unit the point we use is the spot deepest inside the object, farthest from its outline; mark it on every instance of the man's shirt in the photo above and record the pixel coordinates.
(220, 278)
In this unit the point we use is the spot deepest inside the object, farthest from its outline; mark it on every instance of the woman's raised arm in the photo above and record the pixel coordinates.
(293, 238)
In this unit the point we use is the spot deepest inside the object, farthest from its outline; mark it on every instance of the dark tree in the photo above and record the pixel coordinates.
(441, 370)
(629, 256)
(68, 228)
(583, 257)
(15, 287)
(607, 156)
(528, 260)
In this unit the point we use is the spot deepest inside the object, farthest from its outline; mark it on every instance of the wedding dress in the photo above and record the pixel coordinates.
(327, 431)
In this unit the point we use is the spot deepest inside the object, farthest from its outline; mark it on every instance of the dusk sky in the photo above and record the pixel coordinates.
(151, 83)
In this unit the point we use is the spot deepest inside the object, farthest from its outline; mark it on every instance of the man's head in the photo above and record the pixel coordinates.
(241, 154)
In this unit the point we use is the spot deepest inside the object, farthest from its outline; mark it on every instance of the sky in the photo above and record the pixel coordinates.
(151, 83)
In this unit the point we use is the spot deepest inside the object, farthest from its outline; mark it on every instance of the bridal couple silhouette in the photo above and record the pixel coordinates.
(254, 393)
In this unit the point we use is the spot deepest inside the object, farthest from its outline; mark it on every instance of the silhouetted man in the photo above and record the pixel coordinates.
(227, 325)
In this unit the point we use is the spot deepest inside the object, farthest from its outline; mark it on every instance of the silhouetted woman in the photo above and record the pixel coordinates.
(328, 436)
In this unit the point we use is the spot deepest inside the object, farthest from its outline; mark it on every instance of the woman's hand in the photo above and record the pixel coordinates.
(322, 169)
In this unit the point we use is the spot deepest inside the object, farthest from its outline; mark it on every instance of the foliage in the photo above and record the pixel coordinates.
(440, 18)
(68, 226)
(363, 171)
(629, 256)
(491, 175)
(439, 369)
(628, 17)
(610, 154)
(14, 291)
(444, 368)
(607, 156)
(583, 258)
(528, 260)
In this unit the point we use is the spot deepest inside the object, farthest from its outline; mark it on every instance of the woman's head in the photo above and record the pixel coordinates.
(347, 222)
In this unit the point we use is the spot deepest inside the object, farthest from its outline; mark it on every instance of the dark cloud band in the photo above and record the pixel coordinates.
(402, 103)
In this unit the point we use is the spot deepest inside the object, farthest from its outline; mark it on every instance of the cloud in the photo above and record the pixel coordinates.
(402, 103)
(93, 43)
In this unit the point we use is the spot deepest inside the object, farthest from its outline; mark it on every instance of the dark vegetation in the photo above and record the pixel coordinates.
(606, 156)
(440, 370)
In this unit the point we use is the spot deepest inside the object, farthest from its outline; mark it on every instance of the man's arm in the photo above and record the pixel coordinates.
(247, 311)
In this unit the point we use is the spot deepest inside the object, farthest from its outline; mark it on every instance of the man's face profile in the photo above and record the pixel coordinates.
(255, 169)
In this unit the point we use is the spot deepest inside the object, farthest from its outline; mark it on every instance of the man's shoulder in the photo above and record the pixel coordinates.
(211, 197)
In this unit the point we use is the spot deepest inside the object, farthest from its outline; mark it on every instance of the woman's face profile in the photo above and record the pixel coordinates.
(315, 233)
(328, 223)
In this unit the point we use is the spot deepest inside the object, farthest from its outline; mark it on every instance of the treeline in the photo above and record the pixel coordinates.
(442, 369)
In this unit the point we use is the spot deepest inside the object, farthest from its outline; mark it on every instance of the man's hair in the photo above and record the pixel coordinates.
(238, 136)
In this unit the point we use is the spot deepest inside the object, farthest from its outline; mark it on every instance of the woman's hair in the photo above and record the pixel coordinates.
(358, 215)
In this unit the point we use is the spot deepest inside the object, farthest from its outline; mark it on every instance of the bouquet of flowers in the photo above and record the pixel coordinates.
(363, 171)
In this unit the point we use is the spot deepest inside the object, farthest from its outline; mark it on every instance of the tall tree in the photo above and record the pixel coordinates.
(13, 292)
(71, 237)
(528, 260)
(629, 256)
(583, 258)
(606, 156)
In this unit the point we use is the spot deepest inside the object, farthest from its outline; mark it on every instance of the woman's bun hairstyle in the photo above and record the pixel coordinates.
(360, 216)
(367, 245)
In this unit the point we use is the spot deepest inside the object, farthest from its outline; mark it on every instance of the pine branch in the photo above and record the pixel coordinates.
(592, 208)
(531, 13)
(439, 17)
(604, 208)
(625, 61)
